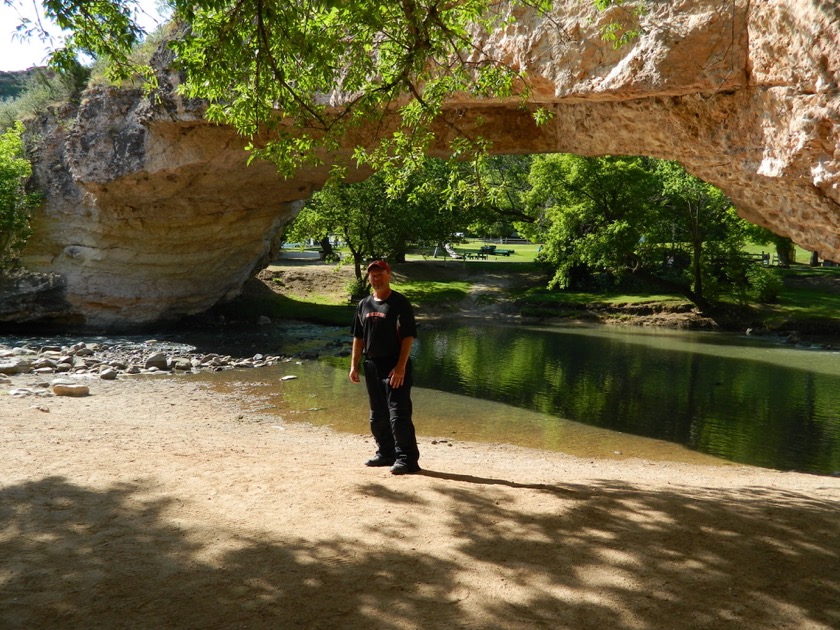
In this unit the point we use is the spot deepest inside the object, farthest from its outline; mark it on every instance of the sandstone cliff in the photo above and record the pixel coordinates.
(152, 214)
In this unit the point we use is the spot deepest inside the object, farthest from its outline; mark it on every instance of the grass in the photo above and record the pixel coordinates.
(430, 291)
(320, 313)
(806, 296)
(522, 252)
(316, 308)
(545, 296)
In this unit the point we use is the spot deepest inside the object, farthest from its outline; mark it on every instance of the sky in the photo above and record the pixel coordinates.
(17, 55)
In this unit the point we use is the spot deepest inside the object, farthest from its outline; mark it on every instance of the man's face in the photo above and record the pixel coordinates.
(379, 278)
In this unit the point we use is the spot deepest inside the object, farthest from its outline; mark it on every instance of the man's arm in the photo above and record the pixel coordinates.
(397, 375)
(355, 357)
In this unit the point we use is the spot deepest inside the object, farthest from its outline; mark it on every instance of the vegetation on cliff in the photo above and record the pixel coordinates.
(38, 89)
(13, 83)
(15, 202)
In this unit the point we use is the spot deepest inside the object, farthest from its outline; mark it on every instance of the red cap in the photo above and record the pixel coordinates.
(379, 263)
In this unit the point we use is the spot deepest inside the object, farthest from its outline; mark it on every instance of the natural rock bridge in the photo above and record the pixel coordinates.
(151, 212)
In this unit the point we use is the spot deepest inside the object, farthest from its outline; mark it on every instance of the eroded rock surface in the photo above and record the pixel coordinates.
(152, 214)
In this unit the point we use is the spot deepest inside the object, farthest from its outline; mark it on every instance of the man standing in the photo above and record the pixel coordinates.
(383, 331)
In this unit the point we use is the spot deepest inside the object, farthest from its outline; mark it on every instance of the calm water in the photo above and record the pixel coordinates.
(733, 397)
(603, 391)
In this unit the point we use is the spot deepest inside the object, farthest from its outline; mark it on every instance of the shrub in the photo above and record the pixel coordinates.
(765, 283)
(15, 203)
(358, 289)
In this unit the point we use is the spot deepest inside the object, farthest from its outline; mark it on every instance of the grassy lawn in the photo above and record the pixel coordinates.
(431, 291)
(314, 308)
(810, 293)
(521, 252)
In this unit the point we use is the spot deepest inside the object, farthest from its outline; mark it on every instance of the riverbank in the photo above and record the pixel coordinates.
(159, 502)
(306, 288)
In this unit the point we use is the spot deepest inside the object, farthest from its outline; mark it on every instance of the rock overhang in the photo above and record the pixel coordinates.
(152, 213)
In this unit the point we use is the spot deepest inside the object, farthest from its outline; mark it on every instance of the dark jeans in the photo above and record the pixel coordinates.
(390, 411)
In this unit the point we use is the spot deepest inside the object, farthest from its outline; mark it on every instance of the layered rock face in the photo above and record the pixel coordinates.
(152, 213)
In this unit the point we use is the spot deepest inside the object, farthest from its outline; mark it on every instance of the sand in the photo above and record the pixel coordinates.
(158, 503)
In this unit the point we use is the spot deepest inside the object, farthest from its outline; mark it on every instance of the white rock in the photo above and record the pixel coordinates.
(66, 387)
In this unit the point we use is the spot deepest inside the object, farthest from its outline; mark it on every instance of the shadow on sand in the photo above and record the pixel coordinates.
(626, 557)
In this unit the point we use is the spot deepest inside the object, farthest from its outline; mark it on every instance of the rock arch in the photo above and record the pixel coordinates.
(151, 213)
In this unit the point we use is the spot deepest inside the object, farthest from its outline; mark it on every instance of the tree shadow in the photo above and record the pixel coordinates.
(606, 555)
(73, 557)
(579, 492)
(714, 559)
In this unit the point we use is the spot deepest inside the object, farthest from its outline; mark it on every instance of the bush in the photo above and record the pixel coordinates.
(15, 203)
(766, 284)
(358, 289)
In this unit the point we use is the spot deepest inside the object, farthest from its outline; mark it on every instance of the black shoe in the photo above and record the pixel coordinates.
(379, 460)
(404, 468)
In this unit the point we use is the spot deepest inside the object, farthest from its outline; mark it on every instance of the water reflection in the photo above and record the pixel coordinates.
(744, 400)
(604, 392)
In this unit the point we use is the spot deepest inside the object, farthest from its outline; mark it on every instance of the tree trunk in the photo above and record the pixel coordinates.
(697, 271)
(786, 251)
(326, 252)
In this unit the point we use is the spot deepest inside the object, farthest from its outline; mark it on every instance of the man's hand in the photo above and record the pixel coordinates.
(355, 357)
(397, 376)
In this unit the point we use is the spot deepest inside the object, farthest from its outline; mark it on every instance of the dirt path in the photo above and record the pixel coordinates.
(157, 503)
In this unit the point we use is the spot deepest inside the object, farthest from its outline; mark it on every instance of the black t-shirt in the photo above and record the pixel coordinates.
(384, 324)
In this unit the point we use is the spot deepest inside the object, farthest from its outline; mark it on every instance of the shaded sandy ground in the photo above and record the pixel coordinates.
(155, 503)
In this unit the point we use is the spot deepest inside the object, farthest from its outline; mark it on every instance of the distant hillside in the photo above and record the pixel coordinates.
(13, 83)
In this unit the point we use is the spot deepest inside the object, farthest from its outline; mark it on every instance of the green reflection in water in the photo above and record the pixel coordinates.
(738, 398)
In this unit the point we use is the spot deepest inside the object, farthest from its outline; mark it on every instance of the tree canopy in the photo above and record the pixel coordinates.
(615, 217)
(294, 77)
(595, 211)
(373, 224)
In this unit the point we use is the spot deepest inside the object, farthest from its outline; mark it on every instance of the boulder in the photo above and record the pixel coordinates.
(157, 360)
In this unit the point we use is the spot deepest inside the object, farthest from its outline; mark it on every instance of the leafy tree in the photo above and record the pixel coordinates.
(15, 203)
(500, 204)
(702, 218)
(608, 218)
(295, 77)
(373, 223)
(97, 28)
(596, 210)
(306, 73)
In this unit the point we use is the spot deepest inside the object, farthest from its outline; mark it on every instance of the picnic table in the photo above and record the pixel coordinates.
(492, 250)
